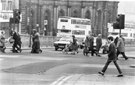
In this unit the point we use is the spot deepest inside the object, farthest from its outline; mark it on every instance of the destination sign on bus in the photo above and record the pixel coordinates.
(80, 26)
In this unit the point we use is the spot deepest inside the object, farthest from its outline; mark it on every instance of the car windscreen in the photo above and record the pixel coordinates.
(65, 39)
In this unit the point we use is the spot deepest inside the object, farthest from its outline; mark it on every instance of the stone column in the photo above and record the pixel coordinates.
(69, 10)
(82, 9)
(55, 20)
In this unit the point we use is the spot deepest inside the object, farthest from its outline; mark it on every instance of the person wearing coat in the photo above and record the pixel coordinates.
(91, 44)
(116, 40)
(17, 42)
(121, 47)
(74, 45)
(36, 42)
(112, 57)
(98, 43)
(2, 41)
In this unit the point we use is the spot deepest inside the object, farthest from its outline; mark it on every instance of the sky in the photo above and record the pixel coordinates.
(127, 7)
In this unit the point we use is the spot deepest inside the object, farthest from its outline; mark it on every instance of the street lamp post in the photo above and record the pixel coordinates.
(38, 16)
(30, 21)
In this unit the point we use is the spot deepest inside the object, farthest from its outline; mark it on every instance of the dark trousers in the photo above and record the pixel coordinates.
(115, 63)
(92, 51)
(123, 54)
(16, 46)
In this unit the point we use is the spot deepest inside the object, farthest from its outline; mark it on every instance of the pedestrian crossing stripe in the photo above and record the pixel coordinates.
(1, 59)
(9, 56)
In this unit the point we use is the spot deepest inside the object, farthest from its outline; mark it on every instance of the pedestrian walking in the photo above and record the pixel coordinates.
(116, 41)
(2, 40)
(36, 42)
(87, 46)
(121, 47)
(112, 57)
(17, 42)
(98, 44)
(91, 44)
(74, 45)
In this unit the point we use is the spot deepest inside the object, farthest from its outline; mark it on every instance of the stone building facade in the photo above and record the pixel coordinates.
(35, 13)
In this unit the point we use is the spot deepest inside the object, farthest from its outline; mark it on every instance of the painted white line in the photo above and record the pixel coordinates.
(1, 59)
(58, 80)
(9, 56)
(64, 80)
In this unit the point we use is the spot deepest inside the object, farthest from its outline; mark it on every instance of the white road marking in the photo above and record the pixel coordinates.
(9, 56)
(1, 59)
(64, 80)
(58, 80)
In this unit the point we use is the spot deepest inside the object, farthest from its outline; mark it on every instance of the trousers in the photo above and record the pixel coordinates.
(115, 63)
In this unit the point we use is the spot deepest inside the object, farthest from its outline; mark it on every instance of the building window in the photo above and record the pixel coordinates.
(10, 7)
(3, 5)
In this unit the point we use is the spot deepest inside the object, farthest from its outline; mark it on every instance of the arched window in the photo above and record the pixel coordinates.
(75, 13)
(61, 13)
(47, 18)
(88, 14)
(32, 14)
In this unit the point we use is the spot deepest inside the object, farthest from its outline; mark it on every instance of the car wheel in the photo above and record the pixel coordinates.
(56, 48)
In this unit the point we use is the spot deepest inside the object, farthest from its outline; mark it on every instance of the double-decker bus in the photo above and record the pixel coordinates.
(128, 32)
(68, 26)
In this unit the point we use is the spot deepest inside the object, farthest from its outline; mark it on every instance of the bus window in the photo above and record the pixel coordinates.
(64, 20)
(124, 34)
(73, 21)
(134, 35)
(78, 32)
(130, 34)
(88, 23)
(77, 21)
(64, 31)
(114, 33)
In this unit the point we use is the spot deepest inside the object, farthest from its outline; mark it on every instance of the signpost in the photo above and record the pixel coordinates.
(45, 22)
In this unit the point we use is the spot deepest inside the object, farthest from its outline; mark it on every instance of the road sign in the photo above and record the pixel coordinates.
(45, 22)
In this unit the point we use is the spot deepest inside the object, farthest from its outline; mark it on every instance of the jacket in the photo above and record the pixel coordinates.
(112, 52)
(121, 45)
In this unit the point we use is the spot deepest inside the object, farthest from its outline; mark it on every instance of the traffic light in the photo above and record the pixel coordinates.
(120, 21)
(16, 15)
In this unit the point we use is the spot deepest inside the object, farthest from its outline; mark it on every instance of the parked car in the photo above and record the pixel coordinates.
(62, 42)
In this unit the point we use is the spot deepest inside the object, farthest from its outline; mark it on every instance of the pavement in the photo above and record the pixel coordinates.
(92, 79)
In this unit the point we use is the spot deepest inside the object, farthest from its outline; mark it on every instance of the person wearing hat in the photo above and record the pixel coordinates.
(121, 47)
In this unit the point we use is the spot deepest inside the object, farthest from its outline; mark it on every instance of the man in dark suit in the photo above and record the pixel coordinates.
(112, 57)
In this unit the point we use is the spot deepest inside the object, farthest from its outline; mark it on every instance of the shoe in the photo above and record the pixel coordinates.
(126, 58)
(120, 75)
(101, 73)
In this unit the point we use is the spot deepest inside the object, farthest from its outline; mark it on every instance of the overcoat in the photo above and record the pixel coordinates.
(98, 43)
(121, 45)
